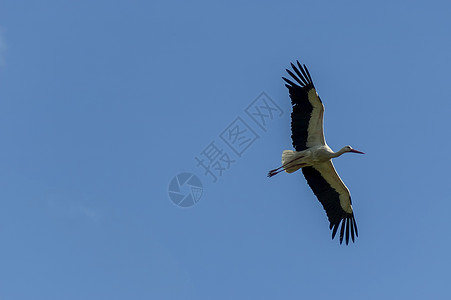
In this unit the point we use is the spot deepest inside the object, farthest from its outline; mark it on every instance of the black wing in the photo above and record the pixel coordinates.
(307, 115)
(335, 198)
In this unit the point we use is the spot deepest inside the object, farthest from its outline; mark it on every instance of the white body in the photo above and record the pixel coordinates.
(320, 158)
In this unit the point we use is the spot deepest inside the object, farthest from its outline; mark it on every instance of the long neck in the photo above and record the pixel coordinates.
(340, 152)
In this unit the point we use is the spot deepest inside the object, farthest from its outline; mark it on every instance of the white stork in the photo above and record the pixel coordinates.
(314, 156)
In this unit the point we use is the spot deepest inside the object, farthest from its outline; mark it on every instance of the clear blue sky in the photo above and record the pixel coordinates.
(102, 103)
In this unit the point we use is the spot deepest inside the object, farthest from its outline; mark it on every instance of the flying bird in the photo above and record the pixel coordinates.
(314, 156)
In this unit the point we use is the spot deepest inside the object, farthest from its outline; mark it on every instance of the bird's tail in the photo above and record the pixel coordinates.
(291, 161)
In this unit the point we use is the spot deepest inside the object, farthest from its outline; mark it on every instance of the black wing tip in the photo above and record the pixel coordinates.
(302, 75)
(291, 83)
(348, 229)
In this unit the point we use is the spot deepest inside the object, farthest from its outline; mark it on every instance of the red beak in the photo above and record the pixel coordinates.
(356, 151)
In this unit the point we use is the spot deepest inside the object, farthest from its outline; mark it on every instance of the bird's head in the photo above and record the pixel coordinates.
(349, 149)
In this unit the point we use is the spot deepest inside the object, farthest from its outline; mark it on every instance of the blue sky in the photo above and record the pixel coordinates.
(103, 103)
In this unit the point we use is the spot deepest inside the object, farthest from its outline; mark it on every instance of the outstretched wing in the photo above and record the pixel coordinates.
(308, 110)
(334, 196)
